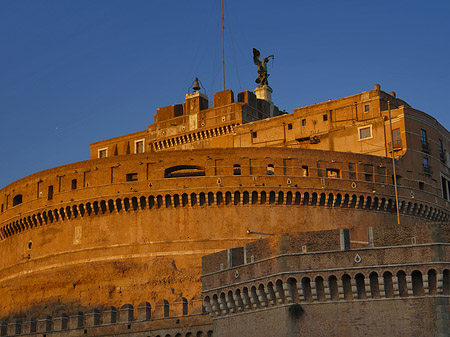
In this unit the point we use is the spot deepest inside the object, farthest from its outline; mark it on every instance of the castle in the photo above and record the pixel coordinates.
(114, 245)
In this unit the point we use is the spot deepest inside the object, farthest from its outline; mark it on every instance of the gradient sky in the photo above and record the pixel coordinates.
(76, 72)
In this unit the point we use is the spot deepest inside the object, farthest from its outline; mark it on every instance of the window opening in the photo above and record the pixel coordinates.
(424, 141)
(139, 146)
(352, 171)
(17, 200)
(333, 173)
(74, 184)
(132, 177)
(270, 171)
(103, 153)
(426, 165)
(444, 188)
(50, 192)
(236, 169)
(185, 171)
(325, 118)
(290, 126)
(365, 132)
(303, 122)
(305, 170)
(396, 138)
(254, 134)
(366, 108)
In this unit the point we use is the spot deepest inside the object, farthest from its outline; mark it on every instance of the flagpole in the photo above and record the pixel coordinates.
(393, 163)
(223, 49)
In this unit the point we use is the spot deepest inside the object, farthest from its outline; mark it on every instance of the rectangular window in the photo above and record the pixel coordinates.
(303, 122)
(2, 208)
(325, 118)
(290, 126)
(333, 173)
(103, 153)
(366, 108)
(139, 146)
(352, 171)
(423, 137)
(132, 176)
(368, 172)
(396, 138)
(365, 132)
(50, 192)
(305, 170)
(426, 165)
(444, 188)
(441, 151)
(254, 134)
(236, 169)
(74, 184)
(421, 185)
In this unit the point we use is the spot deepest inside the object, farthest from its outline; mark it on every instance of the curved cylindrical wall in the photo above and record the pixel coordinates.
(116, 230)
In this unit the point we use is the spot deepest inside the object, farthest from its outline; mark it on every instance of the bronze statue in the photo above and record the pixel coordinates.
(262, 67)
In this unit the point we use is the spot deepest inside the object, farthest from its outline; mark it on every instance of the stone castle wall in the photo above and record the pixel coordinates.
(399, 286)
(135, 227)
(182, 319)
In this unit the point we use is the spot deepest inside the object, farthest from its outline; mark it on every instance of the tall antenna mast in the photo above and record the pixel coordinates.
(223, 50)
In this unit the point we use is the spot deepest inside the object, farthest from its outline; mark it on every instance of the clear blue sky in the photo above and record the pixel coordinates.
(76, 72)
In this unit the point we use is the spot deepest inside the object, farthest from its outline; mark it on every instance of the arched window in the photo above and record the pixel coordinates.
(446, 282)
(134, 203)
(254, 197)
(417, 283)
(210, 198)
(263, 197)
(360, 286)
(374, 286)
(334, 290)
(388, 285)
(245, 198)
(402, 288)
(237, 197)
(17, 200)
(320, 288)
(306, 287)
(347, 286)
(432, 284)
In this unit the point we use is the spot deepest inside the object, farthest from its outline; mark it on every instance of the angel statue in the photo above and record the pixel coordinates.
(262, 67)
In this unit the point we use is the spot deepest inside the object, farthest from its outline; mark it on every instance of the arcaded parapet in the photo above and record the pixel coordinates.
(114, 230)
(126, 321)
(348, 287)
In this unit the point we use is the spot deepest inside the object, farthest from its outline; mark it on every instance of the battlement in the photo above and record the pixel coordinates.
(182, 316)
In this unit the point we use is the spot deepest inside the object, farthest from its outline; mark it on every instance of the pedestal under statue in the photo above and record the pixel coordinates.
(263, 90)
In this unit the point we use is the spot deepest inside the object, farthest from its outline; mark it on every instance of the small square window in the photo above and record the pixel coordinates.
(254, 134)
(303, 122)
(325, 118)
(365, 132)
(103, 153)
(366, 108)
(290, 126)
(132, 176)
